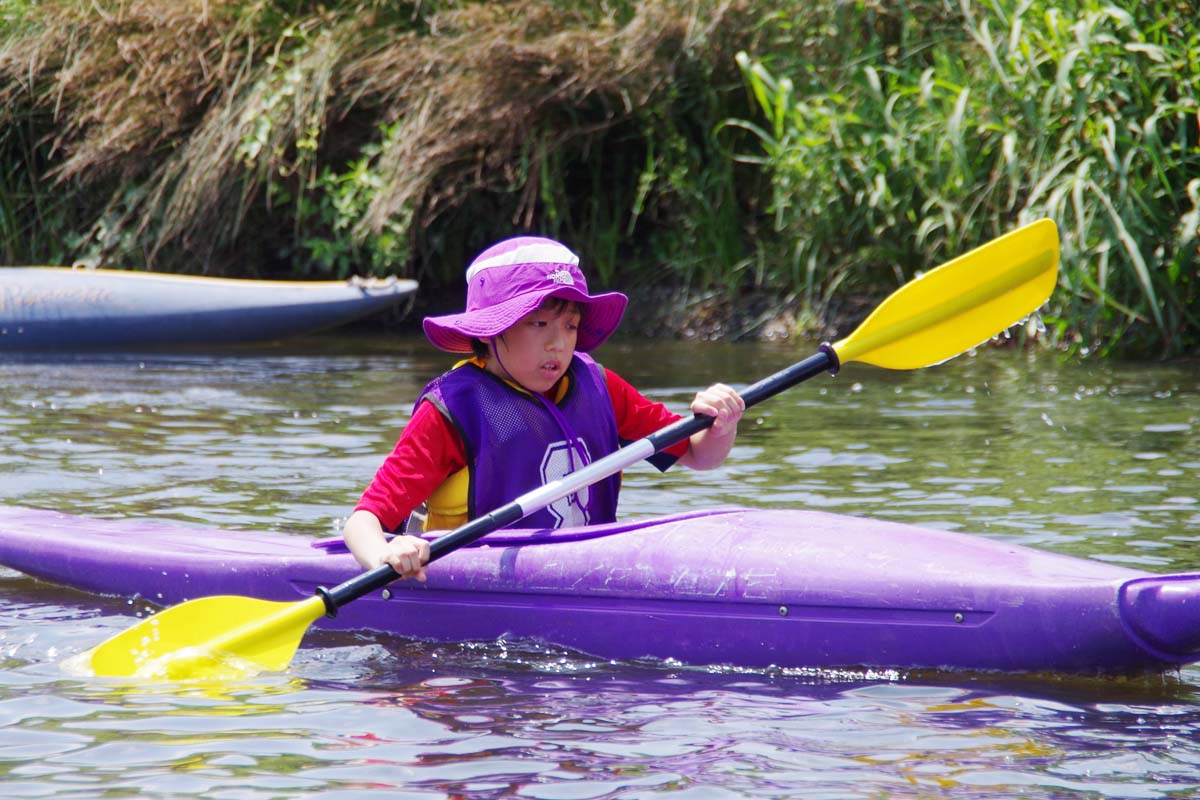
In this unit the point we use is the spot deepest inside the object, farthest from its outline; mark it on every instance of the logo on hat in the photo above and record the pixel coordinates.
(561, 276)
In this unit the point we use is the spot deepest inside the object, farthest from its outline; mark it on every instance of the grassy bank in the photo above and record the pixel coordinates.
(346, 137)
(802, 152)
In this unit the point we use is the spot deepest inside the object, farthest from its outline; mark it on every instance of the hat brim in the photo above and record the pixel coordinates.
(600, 314)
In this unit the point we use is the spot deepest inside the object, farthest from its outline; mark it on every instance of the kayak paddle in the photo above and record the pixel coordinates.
(931, 319)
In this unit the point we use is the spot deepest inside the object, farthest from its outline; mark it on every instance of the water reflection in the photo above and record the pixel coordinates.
(492, 720)
(616, 729)
(1095, 460)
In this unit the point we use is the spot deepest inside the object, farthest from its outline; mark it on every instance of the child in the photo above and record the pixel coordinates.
(529, 407)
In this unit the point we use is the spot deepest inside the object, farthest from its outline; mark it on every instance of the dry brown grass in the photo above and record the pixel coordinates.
(471, 99)
(203, 105)
(122, 80)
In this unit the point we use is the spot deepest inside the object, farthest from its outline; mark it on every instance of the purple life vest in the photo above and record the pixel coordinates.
(514, 444)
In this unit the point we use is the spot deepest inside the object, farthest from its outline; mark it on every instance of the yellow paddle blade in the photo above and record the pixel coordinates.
(210, 637)
(960, 304)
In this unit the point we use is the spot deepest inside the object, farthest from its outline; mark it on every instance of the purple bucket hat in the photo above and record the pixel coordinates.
(511, 279)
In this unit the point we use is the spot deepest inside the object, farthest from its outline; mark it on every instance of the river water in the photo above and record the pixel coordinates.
(1091, 460)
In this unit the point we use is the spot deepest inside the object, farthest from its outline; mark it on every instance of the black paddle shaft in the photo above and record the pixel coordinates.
(825, 359)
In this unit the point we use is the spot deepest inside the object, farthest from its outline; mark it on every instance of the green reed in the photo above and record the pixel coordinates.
(961, 126)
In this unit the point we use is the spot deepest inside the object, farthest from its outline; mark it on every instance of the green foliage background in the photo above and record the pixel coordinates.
(799, 151)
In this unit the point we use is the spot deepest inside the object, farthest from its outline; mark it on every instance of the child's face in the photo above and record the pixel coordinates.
(537, 350)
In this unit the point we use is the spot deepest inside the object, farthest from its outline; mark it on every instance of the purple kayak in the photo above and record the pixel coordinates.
(753, 588)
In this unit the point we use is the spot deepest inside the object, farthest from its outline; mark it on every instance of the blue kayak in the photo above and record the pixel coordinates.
(58, 308)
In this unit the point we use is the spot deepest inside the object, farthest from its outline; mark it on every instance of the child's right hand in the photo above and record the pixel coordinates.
(408, 555)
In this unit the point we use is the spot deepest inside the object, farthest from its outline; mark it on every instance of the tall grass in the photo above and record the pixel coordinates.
(356, 136)
(944, 132)
(877, 139)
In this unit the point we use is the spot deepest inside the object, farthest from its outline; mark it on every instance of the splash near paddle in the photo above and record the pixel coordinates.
(927, 321)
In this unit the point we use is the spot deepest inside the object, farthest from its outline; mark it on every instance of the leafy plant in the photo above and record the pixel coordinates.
(1085, 112)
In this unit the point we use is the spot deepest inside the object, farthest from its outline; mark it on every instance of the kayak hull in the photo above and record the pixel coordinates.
(751, 588)
(55, 308)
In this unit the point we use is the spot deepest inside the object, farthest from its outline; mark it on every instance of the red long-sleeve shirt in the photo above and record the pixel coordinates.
(429, 451)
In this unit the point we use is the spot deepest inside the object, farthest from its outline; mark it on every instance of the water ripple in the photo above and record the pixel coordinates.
(1089, 460)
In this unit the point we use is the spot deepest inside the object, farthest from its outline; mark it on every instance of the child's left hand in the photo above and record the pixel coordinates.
(723, 404)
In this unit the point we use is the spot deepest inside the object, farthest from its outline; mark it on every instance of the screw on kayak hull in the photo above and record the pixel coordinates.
(783, 611)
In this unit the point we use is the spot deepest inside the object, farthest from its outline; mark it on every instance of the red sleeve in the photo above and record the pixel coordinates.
(638, 417)
(428, 452)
